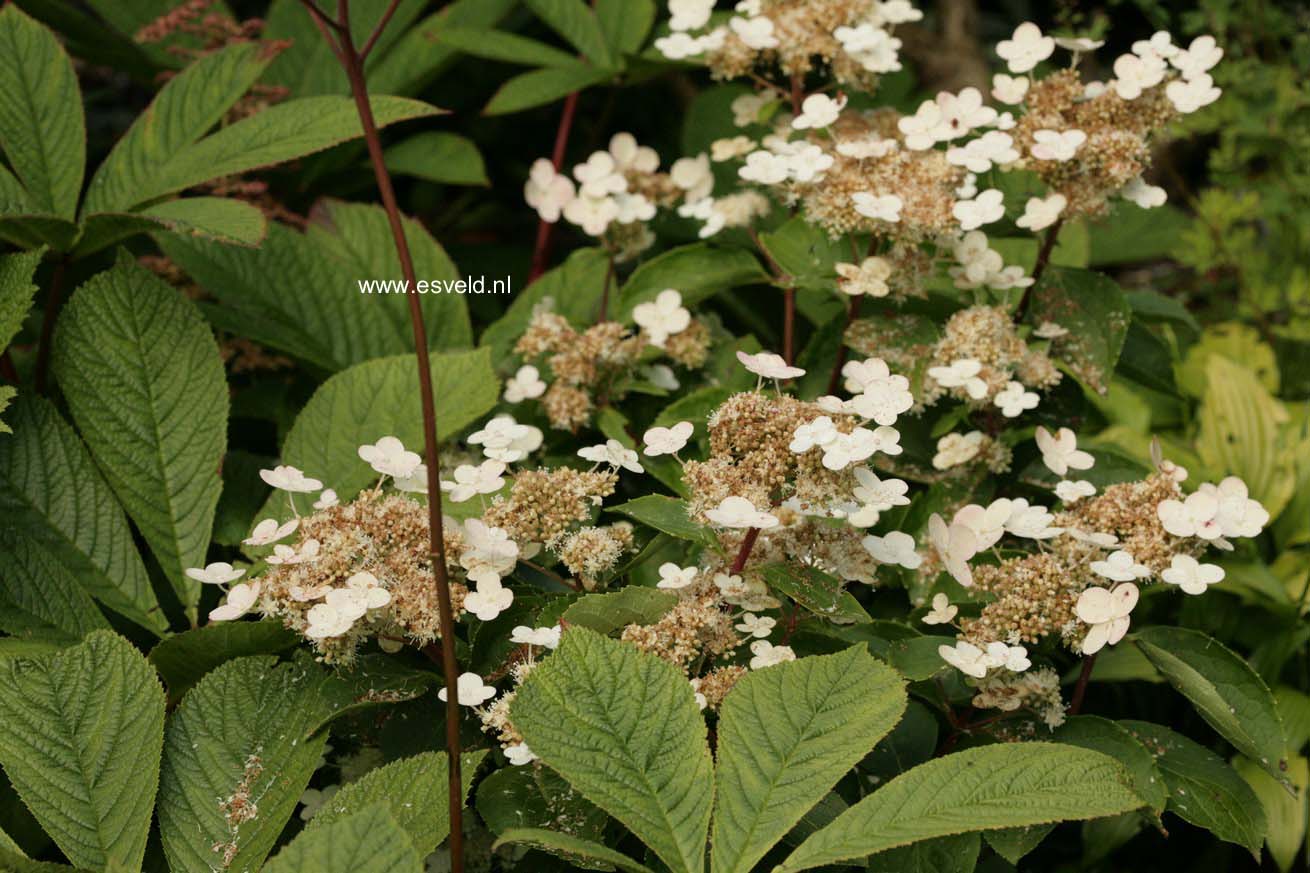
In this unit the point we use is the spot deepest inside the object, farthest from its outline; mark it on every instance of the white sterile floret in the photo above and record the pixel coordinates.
(667, 440)
(1057, 145)
(518, 754)
(678, 46)
(548, 191)
(662, 317)
(1078, 44)
(1060, 453)
(942, 612)
(1049, 330)
(924, 128)
(241, 599)
(807, 163)
(1160, 45)
(1073, 490)
(489, 553)
(956, 545)
(818, 110)
(1198, 58)
(693, 176)
(757, 626)
(860, 445)
(217, 573)
(673, 577)
(415, 483)
(962, 113)
(1120, 566)
(1106, 611)
(327, 499)
(599, 176)
(869, 277)
(1013, 400)
(767, 365)
(592, 214)
(895, 547)
(756, 33)
(967, 658)
(615, 454)
(1191, 575)
(764, 168)
(630, 208)
(1144, 195)
(1009, 89)
(955, 449)
(1236, 514)
(470, 690)
(366, 588)
(1026, 48)
(987, 207)
(629, 155)
(766, 654)
(730, 148)
(326, 621)
(879, 494)
(1041, 212)
(1030, 522)
(689, 14)
(545, 637)
(883, 401)
(1134, 73)
(883, 207)
(1189, 95)
(287, 478)
(993, 148)
(504, 439)
(471, 481)
(307, 553)
(389, 457)
(868, 146)
(268, 532)
(488, 600)
(746, 108)
(525, 384)
(738, 512)
(962, 373)
(871, 47)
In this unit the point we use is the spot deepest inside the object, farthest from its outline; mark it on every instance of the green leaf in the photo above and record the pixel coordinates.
(544, 85)
(183, 659)
(615, 610)
(625, 23)
(536, 797)
(622, 727)
(956, 854)
(1092, 307)
(1203, 789)
(1286, 812)
(183, 111)
(577, 23)
(144, 381)
(16, 291)
(821, 593)
(212, 219)
(667, 514)
(243, 729)
(917, 658)
(1103, 735)
(569, 847)
(373, 680)
(1013, 844)
(42, 128)
(805, 253)
(698, 271)
(1224, 689)
(37, 592)
(7, 394)
(51, 491)
(444, 158)
(416, 791)
(786, 735)
(1133, 234)
(575, 287)
(998, 786)
(80, 736)
(371, 841)
(499, 45)
(417, 58)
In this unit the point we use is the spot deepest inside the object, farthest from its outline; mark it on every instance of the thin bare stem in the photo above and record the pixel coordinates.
(352, 61)
(54, 299)
(852, 313)
(739, 563)
(1043, 259)
(788, 284)
(377, 31)
(546, 229)
(605, 291)
(1080, 689)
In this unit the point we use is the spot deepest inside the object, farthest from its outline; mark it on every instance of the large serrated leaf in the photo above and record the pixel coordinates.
(1005, 785)
(183, 659)
(576, 22)
(371, 841)
(42, 128)
(622, 727)
(80, 736)
(786, 735)
(245, 727)
(530, 798)
(211, 219)
(51, 491)
(584, 854)
(16, 291)
(145, 383)
(37, 592)
(1112, 738)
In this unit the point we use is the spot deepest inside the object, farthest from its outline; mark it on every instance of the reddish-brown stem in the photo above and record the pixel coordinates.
(7, 369)
(545, 229)
(797, 93)
(54, 298)
(743, 553)
(852, 313)
(1080, 689)
(788, 285)
(352, 62)
(1043, 259)
(605, 291)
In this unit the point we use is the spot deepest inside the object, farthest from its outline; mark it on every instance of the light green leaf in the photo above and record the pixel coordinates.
(1285, 811)
(667, 514)
(577, 23)
(545, 85)
(51, 491)
(183, 659)
(500, 45)
(805, 253)
(42, 128)
(536, 797)
(1004, 785)
(625, 23)
(37, 592)
(445, 158)
(786, 735)
(622, 727)
(1013, 844)
(244, 728)
(917, 657)
(1103, 735)
(821, 593)
(956, 854)
(590, 855)
(183, 111)
(7, 394)
(145, 383)
(415, 790)
(1224, 689)
(371, 841)
(698, 271)
(80, 736)
(213, 219)
(16, 291)
(615, 610)
(1092, 307)
(575, 286)
(1203, 789)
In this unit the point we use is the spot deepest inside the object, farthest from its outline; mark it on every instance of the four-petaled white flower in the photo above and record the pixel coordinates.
(757, 626)
(326, 621)
(1078, 44)
(767, 365)
(470, 481)
(942, 612)
(1073, 490)
(470, 690)
(956, 545)
(1040, 213)
(1014, 399)
(987, 207)
(1010, 89)
(389, 457)
(689, 14)
(241, 598)
(615, 454)
(269, 531)
(694, 176)
(883, 207)
(1198, 58)
(818, 432)
(545, 637)
(1134, 73)
(879, 494)
(548, 191)
(327, 499)
(1026, 48)
(1106, 611)
(764, 168)
(1121, 566)
(1191, 575)
(662, 317)
(739, 512)
(859, 445)
(518, 754)
(217, 573)
(955, 449)
(993, 148)
(962, 373)
(489, 553)
(504, 439)
(667, 440)
(1144, 195)
(896, 547)
(818, 110)
(1060, 453)
(1030, 522)
(756, 33)
(525, 384)
(488, 600)
(766, 654)
(307, 553)
(673, 577)
(599, 176)
(1189, 95)
(974, 661)
(1057, 145)
(287, 478)
(869, 277)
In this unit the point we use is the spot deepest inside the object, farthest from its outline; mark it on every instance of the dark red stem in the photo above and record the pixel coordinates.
(743, 553)
(54, 299)
(1080, 689)
(545, 229)
(1043, 259)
